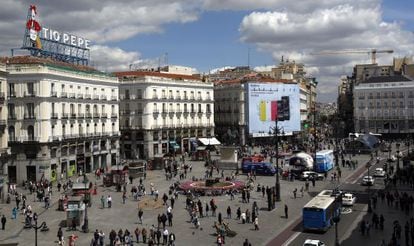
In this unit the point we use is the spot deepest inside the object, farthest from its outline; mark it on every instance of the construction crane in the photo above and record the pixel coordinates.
(372, 52)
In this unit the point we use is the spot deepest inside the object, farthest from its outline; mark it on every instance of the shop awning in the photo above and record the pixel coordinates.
(209, 141)
(201, 147)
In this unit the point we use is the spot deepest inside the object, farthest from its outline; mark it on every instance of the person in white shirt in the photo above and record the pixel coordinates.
(165, 236)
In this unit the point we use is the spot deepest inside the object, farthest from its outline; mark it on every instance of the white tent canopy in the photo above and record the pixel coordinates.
(209, 141)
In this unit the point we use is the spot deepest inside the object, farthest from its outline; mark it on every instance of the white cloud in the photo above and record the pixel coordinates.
(263, 68)
(296, 35)
(112, 58)
(216, 70)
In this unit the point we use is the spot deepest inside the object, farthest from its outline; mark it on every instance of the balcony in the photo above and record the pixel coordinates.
(11, 116)
(192, 98)
(139, 112)
(178, 98)
(65, 115)
(96, 115)
(164, 113)
(104, 115)
(154, 97)
(87, 96)
(95, 97)
(208, 114)
(164, 97)
(29, 117)
(114, 98)
(171, 97)
(171, 114)
(192, 114)
(178, 113)
(63, 94)
(104, 97)
(88, 116)
(186, 113)
(81, 116)
(54, 116)
(79, 96)
(155, 113)
(114, 115)
(11, 94)
(53, 93)
(29, 94)
(72, 95)
(185, 97)
(73, 116)
(200, 113)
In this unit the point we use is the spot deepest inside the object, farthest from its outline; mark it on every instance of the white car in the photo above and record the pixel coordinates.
(392, 158)
(379, 172)
(311, 242)
(368, 180)
(348, 199)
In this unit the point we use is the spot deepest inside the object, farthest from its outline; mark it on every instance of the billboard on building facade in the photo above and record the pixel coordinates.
(262, 107)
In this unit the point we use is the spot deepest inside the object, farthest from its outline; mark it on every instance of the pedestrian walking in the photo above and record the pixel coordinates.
(256, 224)
(140, 213)
(286, 211)
(60, 235)
(228, 212)
(294, 192)
(301, 191)
(103, 201)
(165, 234)
(109, 201)
(3, 222)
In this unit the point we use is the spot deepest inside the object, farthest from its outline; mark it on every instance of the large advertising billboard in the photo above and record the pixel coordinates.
(263, 102)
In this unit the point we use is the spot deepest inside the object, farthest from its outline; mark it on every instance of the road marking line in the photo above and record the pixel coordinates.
(353, 225)
(291, 239)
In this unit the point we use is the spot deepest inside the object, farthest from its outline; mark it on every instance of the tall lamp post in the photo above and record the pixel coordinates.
(87, 200)
(42, 225)
(277, 185)
(369, 190)
(398, 156)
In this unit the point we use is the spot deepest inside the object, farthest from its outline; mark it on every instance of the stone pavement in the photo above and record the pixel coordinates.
(124, 216)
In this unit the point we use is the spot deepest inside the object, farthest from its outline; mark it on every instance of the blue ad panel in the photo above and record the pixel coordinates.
(262, 98)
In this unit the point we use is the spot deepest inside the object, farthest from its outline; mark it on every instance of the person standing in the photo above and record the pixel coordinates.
(228, 212)
(165, 237)
(3, 222)
(286, 211)
(60, 235)
(109, 201)
(256, 224)
(103, 201)
(140, 213)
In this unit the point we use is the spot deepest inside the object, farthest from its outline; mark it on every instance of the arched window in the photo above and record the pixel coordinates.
(12, 135)
(30, 133)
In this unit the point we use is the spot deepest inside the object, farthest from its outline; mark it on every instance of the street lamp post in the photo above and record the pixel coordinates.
(277, 186)
(87, 200)
(43, 224)
(369, 190)
(398, 156)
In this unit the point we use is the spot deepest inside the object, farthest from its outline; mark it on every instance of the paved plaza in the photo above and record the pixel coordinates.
(124, 216)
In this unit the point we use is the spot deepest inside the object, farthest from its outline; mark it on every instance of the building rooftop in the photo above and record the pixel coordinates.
(49, 62)
(382, 79)
(253, 79)
(131, 74)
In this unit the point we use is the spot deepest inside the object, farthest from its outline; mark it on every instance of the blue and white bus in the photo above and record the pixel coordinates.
(324, 161)
(319, 212)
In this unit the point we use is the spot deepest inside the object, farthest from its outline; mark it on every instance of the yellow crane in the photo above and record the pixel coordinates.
(372, 52)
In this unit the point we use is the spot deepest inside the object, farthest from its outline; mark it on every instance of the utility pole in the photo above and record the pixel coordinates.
(277, 162)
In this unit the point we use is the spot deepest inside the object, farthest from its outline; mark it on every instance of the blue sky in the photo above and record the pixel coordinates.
(209, 34)
(210, 42)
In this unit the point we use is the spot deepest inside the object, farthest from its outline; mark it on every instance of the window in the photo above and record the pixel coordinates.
(155, 107)
(199, 108)
(12, 92)
(163, 94)
(12, 136)
(72, 109)
(139, 94)
(11, 109)
(30, 133)
(154, 93)
(178, 108)
(163, 108)
(29, 114)
(53, 108)
(126, 94)
(192, 108)
(185, 108)
(30, 89)
(52, 87)
(208, 108)
(63, 130)
(63, 108)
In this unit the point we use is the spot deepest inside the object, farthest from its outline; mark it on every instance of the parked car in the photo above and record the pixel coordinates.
(379, 172)
(348, 199)
(368, 180)
(310, 174)
(312, 242)
(392, 158)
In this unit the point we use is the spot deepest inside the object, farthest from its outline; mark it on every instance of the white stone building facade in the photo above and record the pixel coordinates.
(384, 105)
(163, 113)
(61, 120)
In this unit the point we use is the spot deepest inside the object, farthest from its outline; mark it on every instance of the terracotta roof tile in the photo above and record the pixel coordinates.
(44, 61)
(155, 74)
